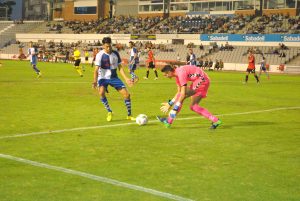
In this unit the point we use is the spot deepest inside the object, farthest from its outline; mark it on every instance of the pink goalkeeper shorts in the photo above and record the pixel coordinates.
(200, 87)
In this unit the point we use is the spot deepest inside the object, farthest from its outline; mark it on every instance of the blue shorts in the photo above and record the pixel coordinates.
(33, 61)
(132, 66)
(114, 82)
(263, 68)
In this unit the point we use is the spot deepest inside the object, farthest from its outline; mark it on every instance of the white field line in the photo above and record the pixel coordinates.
(127, 124)
(97, 178)
(224, 81)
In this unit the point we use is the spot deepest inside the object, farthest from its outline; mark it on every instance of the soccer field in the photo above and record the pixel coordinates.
(55, 142)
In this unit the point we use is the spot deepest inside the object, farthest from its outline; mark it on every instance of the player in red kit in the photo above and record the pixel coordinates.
(251, 67)
(151, 63)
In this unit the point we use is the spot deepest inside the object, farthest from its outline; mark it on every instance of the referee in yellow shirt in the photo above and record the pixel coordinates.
(77, 58)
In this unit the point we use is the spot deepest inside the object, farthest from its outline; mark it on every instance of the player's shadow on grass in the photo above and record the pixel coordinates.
(246, 124)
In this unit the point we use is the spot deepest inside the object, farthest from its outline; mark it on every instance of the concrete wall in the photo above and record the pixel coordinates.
(126, 7)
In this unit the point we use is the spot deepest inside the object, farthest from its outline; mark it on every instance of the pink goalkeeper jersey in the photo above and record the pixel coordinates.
(190, 73)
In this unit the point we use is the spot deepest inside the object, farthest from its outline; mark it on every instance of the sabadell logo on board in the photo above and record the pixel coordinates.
(255, 38)
(291, 38)
(218, 38)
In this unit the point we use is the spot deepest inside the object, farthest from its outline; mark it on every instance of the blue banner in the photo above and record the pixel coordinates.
(251, 37)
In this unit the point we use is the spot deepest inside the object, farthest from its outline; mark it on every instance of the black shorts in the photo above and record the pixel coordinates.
(86, 58)
(250, 70)
(151, 64)
(77, 62)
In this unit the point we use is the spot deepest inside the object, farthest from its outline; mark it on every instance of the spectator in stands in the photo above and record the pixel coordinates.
(205, 65)
(210, 50)
(178, 57)
(61, 44)
(228, 47)
(210, 64)
(200, 62)
(201, 47)
(217, 65)
(283, 46)
(275, 51)
(187, 58)
(221, 64)
(192, 60)
(222, 47)
(282, 54)
(67, 58)
(21, 53)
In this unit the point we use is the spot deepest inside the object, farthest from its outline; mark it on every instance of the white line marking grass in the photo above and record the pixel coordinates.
(97, 178)
(127, 124)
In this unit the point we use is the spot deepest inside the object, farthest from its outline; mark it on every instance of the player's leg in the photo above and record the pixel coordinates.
(77, 67)
(120, 87)
(147, 72)
(247, 76)
(102, 88)
(134, 77)
(260, 70)
(267, 74)
(194, 106)
(256, 77)
(124, 92)
(201, 90)
(34, 66)
(155, 72)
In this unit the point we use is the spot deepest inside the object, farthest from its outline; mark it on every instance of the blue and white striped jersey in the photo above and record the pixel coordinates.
(108, 64)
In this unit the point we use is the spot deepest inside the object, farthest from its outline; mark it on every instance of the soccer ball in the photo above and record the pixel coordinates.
(141, 119)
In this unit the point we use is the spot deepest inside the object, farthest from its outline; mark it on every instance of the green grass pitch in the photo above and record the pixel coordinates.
(254, 155)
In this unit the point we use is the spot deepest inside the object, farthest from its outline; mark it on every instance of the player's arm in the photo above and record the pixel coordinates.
(95, 76)
(96, 70)
(127, 80)
(165, 107)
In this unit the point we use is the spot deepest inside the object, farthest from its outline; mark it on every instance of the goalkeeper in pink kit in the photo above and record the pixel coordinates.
(197, 90)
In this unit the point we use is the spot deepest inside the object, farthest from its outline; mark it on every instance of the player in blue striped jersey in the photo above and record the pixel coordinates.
(107, 63)
(32, 53)
(133, 61)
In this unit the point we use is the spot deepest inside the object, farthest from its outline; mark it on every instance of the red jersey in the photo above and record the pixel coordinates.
(251, 60)
(150, 56)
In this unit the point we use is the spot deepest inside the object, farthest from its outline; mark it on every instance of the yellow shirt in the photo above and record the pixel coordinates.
(86, 54)
(76, 54)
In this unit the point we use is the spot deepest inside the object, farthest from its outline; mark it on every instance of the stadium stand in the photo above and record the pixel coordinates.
(8, 34)
(229, 24)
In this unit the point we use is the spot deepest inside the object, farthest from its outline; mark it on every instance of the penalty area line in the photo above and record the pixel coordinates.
(127, 124)
(96, 178)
